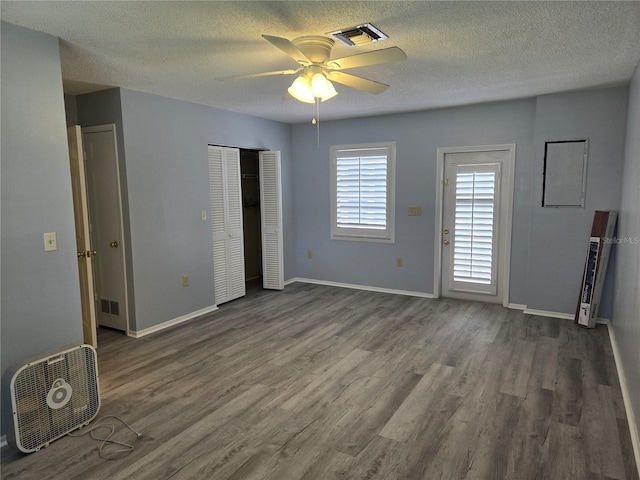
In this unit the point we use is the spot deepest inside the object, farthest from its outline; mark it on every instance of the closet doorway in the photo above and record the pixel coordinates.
(250, 182)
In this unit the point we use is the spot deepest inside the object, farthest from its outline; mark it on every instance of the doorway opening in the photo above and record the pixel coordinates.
(93, 156)
(250, 187)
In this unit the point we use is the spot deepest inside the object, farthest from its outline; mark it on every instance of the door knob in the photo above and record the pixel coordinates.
(91, 253)
(113, 244)
(446, 232)
(446, 242)
(81, 254)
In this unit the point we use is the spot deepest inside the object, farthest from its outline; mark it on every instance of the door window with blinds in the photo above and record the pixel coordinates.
(363, 190)
(474, 237)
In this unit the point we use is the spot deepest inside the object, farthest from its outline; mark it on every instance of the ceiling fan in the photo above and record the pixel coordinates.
(316, 70)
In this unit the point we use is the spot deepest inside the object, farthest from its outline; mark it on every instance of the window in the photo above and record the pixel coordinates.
(363, 191)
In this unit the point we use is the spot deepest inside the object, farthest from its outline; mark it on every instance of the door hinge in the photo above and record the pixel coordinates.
(446, 182)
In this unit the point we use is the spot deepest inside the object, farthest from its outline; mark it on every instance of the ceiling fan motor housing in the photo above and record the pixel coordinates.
(315, 47)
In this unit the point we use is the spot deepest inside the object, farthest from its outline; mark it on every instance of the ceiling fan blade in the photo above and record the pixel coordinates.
(376, 57)
(289, 48)
(359, 83)
(264, 74)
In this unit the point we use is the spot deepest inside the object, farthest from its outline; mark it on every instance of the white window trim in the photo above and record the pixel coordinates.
(362, 234)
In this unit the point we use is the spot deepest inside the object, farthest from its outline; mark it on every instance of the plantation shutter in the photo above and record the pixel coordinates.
(271, 214)
(474, 238)
(363, 192)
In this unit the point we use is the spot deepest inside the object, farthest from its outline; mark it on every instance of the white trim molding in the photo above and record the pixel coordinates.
(360, 287)
(626, 397)
(547, 313)
(517, 306)
(171, 323)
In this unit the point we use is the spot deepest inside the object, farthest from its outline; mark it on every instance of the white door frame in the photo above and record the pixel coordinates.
(111, 127)
(507, 187)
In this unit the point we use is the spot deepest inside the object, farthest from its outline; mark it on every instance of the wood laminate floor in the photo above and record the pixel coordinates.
(319, 382)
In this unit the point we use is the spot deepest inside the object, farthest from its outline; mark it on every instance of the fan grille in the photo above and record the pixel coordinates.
(36, 424)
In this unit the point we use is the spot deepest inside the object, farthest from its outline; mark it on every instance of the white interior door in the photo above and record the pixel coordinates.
(83, 239)
(226, 223)
(105, 214)
(475, 231)
(271, 217)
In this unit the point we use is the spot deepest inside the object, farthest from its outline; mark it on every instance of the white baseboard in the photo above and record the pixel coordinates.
(517, 306)
(546, 313)
(3, 441)
(171, 323)
(631, 418)
(361, 287)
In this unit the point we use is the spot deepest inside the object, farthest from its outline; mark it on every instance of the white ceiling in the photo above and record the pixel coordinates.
(458, 52)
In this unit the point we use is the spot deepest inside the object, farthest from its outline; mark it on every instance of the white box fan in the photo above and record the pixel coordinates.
(52, 396)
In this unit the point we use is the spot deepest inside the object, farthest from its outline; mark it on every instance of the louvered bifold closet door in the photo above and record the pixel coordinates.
(474, 261)
(234, 224)
(271, 214)
(226, 223)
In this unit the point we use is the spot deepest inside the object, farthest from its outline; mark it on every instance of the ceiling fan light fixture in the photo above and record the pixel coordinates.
(319, 85)
(331, 92)
(300, 89)
(307, 89)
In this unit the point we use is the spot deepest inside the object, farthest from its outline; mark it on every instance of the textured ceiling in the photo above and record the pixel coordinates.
(458, 52)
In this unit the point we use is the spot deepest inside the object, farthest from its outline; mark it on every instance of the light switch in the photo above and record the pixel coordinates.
(50, 242)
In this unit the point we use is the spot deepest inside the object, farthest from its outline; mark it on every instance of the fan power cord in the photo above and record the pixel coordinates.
(99, 424)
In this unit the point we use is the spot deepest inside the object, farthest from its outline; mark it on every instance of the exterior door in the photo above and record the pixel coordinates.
(271, 217)
(226, 223)
(105, 214)
(83, 239)
(476, 224)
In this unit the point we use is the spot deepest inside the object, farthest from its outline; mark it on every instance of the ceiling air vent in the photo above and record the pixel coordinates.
(359, 35)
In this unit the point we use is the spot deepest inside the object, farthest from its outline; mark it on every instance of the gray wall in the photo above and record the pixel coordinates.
(560, 236)
(418, 135)
(165, 151)
(40, 290)
(626, 312)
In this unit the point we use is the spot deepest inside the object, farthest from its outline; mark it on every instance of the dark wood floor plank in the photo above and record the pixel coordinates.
(530, 435)
(602, 441)
(318, 382)
(568, 392)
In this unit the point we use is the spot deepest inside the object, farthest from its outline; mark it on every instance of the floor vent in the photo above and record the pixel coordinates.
(104, 306)
(109, 306)
(359, 35)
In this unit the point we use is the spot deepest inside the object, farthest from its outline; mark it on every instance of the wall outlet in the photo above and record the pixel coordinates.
(309, 253)
(399, 262)
(185, 280)
(415, 211)
(50, 242)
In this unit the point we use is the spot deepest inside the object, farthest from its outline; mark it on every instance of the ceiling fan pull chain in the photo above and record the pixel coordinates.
(318, 119)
